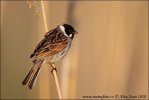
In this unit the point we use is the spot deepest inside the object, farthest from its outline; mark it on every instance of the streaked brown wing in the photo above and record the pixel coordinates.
(52, 49)
(53, 42)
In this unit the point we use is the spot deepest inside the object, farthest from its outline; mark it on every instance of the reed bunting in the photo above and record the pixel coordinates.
(52, 48)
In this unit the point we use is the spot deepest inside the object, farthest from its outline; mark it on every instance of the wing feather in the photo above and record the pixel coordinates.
(54, 41)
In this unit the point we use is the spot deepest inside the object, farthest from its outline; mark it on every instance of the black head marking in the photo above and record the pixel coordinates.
(69, 30)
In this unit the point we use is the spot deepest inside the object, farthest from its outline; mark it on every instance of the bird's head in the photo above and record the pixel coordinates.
(68, 30)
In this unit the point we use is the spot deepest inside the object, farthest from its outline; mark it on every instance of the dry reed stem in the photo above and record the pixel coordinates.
(53, 71)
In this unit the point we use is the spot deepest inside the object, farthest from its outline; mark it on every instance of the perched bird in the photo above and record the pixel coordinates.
(52, 48)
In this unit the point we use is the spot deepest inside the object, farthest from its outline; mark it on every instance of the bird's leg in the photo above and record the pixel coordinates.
(53, 67)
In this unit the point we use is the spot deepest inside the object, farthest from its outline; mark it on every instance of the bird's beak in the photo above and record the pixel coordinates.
(75, 32)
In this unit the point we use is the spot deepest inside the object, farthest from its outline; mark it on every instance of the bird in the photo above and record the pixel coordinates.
(52, 48)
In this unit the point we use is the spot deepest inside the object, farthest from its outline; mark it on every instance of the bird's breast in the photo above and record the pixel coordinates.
(58, 56)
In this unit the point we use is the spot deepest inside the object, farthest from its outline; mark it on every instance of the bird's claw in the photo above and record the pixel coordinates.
(53, 70)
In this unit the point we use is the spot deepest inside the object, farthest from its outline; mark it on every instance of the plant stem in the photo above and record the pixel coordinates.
(56, 81)
(53, 66)
(44, 16)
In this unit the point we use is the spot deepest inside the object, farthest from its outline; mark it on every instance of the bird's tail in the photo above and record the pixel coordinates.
(32, 75)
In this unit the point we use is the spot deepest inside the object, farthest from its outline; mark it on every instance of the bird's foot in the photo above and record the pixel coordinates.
(53, 69)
